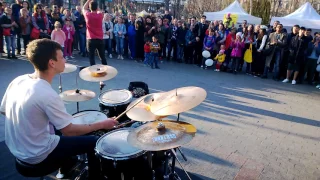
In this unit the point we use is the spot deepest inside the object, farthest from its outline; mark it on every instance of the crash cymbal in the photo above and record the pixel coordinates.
(75, 96)
(178, 100)
(97, 73)
(68, 68)
(161, 135)
(141, 112)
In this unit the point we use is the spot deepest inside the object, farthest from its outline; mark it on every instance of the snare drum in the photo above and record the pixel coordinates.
(115, 102)
(119, 159)
(89, 117)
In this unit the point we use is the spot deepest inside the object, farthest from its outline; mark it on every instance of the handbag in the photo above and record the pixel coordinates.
(35, 33)
(268, 50)
(6, 31)
(248, 55)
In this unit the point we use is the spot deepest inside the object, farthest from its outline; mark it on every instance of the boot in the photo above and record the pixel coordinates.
(265, 73)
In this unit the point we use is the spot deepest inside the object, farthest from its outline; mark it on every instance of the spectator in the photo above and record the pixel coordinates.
(119, 33)
(58, 35)
(9, 26)
(69, 31)
(25, 24)
(107, 26)
(40, 20)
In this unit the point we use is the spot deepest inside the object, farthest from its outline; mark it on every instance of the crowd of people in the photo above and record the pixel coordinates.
(153, 38)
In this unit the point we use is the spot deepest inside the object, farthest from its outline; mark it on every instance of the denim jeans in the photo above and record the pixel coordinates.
(26, 39)
(108, 45)
(132, 45)
(72, 146)
(147, 58)
(154, 59)
(119, 41)
(180, 52)
(82, 42)
(11, 44)
(92, 46)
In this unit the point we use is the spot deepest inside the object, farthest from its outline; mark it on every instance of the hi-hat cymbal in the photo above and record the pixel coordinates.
(97, 73)
(141, 112)
(178, 100)
(75, 96)
(161, 135)
(68, 68)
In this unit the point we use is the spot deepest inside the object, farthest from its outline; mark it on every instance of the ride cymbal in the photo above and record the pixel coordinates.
(141, 112)
(97, 73)
(161, 135)
(77, 96)
(68, 68)
(178, 100)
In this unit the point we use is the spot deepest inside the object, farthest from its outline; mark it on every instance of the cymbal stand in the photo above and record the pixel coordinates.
(102, 85)
(60, 84)
(175, 157)
(77, 90)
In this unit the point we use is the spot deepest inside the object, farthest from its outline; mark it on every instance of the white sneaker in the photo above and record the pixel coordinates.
(67, 58)
(72, 57)
(118, 57)
(286, 80)
(294, 82)
(110, 56)
(318, 86)
(121, 57)
(201, 66)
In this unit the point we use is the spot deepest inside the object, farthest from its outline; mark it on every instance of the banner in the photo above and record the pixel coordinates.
(230, 19)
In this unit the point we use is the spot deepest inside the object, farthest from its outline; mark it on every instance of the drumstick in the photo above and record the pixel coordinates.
(124, 112)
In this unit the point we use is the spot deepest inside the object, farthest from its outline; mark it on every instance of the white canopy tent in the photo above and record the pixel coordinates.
(234, 8)
(305, 16)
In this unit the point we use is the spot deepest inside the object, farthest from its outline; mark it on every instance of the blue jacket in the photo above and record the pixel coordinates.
(190, 38)
(119, 27)
(313, 53)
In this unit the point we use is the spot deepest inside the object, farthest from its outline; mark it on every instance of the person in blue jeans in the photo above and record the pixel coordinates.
(107, 27)
(119, 33)
(10, 26)
(147, 52)
(154, 55)
(132, 35)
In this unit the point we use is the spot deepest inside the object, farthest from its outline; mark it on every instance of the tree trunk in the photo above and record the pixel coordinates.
(166, 4)
(250, 7)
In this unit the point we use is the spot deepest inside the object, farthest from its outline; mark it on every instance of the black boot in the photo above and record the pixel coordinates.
(265, 73)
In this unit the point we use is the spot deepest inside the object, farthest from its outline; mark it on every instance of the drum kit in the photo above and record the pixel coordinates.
(143, 145)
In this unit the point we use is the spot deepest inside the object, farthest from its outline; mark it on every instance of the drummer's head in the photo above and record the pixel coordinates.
(46, 56)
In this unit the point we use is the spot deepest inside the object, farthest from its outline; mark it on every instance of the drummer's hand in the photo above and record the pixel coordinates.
(109, 123)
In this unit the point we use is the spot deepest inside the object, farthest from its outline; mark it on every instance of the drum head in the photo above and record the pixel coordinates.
(114, 145)
(88, 117)
(115, 97)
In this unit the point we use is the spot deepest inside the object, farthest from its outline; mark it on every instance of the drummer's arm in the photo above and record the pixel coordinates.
(81, 129)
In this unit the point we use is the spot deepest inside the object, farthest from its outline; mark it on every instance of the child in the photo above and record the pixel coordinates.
(236, 53)
(147, 52)
(208, 44)
(154, 55)
(220, 58)
(58, 35)
(119, 33)
(69, 31)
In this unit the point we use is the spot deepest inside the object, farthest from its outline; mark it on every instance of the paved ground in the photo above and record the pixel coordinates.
(248, 128)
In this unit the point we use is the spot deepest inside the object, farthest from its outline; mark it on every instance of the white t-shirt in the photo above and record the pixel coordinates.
(31, 106)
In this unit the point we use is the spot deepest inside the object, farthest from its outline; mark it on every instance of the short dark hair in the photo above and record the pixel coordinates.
(302, 28)
(40, 51)
(309, 29)
(204, 16)
(156, 37)
(93, 6)
(296, 26)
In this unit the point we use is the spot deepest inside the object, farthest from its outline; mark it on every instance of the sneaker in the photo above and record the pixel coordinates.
(318, 86)
(110, 56)
(201, 66)
(121, 57)
(67, 58)
(71, 57)
(294, 82)
(218, 70)
(286, 80)
(118, 57)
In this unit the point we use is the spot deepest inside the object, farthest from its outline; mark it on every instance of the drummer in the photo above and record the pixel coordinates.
(32, 108)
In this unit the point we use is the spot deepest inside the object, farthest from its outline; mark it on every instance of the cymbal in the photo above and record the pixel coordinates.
(68, 68)
(161, 135)
(141, 112)
(178, 100)
(97, 73)
(74, 96)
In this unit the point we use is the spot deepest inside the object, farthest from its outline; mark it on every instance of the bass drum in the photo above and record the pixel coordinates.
(119, 160)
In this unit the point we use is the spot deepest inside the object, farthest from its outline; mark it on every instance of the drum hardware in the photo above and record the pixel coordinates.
(102, 85)
(176, 158)
(97, 73)
(60, 84)
(67, 69)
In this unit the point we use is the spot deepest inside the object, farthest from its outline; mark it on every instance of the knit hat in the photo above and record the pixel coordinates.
(239, 34)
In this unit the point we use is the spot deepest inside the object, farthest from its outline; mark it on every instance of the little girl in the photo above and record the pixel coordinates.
(236, 53)
(69, 31)
(58, 35)
(147, 52)
(220, 57)
(208, 45)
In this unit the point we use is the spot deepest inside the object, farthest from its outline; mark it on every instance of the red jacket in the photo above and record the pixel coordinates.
(229, 40)
(147, 48)
(71, 32)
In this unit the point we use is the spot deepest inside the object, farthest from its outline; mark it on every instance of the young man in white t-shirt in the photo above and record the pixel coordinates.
(32, 108)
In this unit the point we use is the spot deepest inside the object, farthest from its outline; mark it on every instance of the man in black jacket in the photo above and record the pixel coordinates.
(297, 54)
(200, 37)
